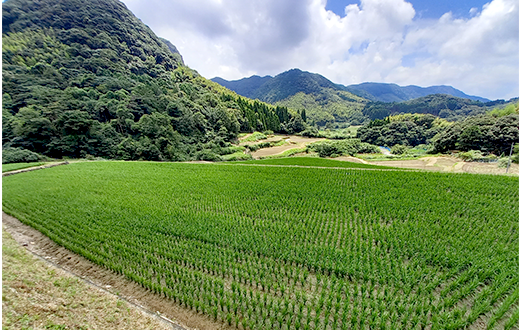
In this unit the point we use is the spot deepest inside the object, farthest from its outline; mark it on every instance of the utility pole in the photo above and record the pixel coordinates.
(510, 153)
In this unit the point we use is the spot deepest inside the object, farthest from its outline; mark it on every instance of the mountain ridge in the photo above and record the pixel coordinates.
(390, 92)
(328, 104)
(384, 92)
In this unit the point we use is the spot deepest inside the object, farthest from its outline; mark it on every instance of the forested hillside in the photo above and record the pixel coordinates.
(325, 103)
(82, 81)
(335, 106)
(493, 132)
(394, 93)
(441, 105)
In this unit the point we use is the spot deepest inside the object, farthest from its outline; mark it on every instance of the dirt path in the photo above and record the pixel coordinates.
(293, 142)
(448, 164)
(43, 247)
(29, 169)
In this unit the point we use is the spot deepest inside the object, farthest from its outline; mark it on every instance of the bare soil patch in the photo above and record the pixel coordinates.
(293, 142)
(448, 164)
(42, 246)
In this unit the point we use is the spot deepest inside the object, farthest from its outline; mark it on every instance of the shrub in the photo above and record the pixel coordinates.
(231, 150)
(207, 155)
(502, 162)
(349, 147)
(477, 156)
(311, 132)
(237, 156)
(399, 149)
(18, 155)
(255, 137)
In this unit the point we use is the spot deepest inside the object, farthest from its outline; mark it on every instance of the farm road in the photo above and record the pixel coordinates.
(29, 169)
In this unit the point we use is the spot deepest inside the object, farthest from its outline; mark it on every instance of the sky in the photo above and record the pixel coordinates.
(472, 45)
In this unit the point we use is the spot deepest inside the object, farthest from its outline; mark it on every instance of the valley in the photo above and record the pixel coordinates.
(157, 198)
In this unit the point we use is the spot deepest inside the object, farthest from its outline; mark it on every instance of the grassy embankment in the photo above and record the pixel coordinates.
(36, 295)
(19, 166)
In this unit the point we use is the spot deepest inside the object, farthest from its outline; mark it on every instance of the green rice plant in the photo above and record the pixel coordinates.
(504, 307)
(280, 245)
(313, 161)
(512, 321)
(19, 166)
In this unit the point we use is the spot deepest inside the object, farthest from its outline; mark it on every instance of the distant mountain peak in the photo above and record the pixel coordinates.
(295, 80)
(390, 92)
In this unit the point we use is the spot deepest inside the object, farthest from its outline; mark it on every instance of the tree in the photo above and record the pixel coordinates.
(32, 129)
(296, 124)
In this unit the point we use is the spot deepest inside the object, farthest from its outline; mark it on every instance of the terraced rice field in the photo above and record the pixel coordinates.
(260, 247)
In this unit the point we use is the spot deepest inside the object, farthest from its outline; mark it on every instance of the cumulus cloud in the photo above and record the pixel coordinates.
(376, 40)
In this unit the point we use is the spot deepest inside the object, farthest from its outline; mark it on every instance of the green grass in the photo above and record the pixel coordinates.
(256, 136)
(18, 166)
(239, 155)
(301, 247)
(313, 161)
(38, 296)
(287, 153)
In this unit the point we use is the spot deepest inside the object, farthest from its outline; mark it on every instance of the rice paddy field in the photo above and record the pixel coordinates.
(19, 166)
(313, 162)
(259, 247)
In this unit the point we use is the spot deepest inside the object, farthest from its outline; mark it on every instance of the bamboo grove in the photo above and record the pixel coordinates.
(291, 247)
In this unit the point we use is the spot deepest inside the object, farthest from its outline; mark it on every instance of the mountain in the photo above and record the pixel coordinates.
(265, 89)
(445, 106)
(94, 81)
(325, 102)
(395, 93)
(246, 86)
(336, 105)
(173, 50)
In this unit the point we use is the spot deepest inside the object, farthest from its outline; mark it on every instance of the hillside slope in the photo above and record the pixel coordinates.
(325, 103)
(330, 104)
(395, 93)
(83, 81)
(246, 86)
(441, 105)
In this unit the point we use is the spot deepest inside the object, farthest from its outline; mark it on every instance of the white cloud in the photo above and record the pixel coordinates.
(377, 40)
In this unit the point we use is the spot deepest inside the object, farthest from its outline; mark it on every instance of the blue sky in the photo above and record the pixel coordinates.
(470, 45)
(423, 8)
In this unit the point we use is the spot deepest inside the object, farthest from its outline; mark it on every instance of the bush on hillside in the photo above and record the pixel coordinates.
(399, 149)
(477, 156)
(207, 155)
(18, 155)
(348, 147)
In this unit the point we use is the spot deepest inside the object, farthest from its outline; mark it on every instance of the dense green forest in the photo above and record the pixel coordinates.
(336, 106)
(98, 82)
(444, 106)
(493, 132)
(326, 103)
(394, 93)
